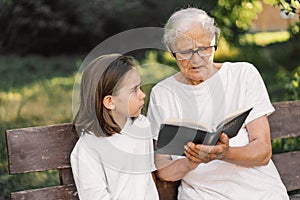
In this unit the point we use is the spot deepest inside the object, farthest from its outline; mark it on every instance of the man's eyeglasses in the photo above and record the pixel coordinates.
(188, 54)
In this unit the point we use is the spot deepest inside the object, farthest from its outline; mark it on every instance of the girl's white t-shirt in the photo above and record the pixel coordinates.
(117, 167)
(234, 86)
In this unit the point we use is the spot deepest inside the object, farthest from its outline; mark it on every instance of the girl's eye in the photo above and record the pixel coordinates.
(135, 89)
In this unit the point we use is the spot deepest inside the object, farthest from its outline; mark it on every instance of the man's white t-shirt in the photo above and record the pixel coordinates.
(117, 167)
(234, 86)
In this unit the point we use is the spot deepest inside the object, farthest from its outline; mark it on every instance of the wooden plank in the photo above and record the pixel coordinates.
(49, 147)
(40, 148)
(285, 121)
(66, 176)
(167, 190)
(287, 165)
(66, 192)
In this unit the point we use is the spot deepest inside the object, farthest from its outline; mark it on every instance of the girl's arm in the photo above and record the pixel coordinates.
(88, 175)
(169, 170)
(173, 170)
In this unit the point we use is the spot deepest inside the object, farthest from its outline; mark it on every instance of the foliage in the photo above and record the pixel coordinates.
(48, 27)
(285, 145)
(289, 6)
(278, 68)
(294, 85)
(292, 7)
(54, 27)
(148, 12)
(20, 71)
(234, 17)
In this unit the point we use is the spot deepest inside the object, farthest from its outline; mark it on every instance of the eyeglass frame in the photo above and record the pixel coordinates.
(193, 51)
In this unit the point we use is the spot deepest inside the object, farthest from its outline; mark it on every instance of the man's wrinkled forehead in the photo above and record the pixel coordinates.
(184, 42)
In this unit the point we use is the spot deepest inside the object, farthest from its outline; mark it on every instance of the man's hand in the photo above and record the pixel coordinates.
(200, 153)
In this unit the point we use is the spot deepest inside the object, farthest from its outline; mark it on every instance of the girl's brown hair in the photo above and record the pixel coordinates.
(101, 78)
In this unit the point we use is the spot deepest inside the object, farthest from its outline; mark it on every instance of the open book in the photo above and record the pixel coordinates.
(174, 134)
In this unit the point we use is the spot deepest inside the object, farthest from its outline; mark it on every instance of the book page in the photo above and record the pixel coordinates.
(233, 115)
(203, 126)
(189, 124)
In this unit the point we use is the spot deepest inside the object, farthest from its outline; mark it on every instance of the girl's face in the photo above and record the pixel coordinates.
(129, 98)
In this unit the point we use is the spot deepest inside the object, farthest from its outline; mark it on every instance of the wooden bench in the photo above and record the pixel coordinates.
(49, 147)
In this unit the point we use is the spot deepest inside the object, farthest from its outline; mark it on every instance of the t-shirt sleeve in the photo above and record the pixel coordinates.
(161, 106)
(88, 173)
(257, 95)
(154, 114)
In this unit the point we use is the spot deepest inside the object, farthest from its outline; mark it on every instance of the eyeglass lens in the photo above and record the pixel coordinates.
(188, 54)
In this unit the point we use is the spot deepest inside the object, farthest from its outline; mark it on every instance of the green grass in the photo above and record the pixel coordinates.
(40, 102)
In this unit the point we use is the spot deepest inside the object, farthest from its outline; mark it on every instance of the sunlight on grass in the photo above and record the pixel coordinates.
(43, 102)
(265, 38)
(225, 51)
(153, 71)
(9, 104)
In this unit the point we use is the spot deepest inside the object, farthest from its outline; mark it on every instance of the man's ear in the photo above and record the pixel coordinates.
(172, 54)
(108, 102)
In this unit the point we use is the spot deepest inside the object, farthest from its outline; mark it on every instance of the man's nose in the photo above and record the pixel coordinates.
(196, 58)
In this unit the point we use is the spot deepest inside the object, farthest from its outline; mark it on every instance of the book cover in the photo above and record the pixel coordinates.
(174, 134)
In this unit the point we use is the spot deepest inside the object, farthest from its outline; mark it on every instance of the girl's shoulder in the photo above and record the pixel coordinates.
(140, 127)
(142, 120)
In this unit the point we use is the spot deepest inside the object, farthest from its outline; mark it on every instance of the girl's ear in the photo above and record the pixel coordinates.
(108, 102)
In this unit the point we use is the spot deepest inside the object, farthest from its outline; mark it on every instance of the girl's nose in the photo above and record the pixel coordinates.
(142, 95)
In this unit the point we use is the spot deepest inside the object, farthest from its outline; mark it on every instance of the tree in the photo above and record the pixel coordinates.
(75, 26)
(50, 26)
(235, 17)
(289, 7)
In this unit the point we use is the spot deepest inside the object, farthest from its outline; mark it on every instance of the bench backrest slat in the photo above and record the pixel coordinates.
(66, 192)
(49, 147)
(285, 121)
(288, 167)
(66, 176)
(40, 148)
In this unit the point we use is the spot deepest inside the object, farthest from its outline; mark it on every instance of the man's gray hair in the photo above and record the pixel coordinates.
(183, 19)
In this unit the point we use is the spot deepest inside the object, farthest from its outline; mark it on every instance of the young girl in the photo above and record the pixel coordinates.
(113, 157)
